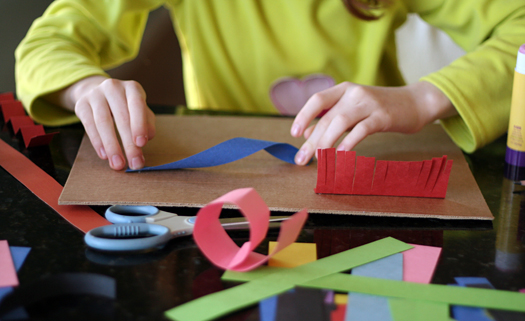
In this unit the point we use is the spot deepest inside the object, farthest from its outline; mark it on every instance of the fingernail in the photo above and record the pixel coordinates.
(102, 153)
(141, 141)
(116, 161)
(300, 157)
(340, 148)
(137, 162)
(295, 130)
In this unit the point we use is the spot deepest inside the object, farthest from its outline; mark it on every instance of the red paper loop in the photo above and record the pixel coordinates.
(222, 251)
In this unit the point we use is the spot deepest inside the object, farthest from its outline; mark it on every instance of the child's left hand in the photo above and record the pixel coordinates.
(365, 110)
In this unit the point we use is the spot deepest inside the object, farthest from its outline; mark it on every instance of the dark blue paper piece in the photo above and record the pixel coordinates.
(227, 152)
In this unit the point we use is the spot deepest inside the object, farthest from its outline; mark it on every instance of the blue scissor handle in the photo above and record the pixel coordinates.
(127, 237)
(129, 213)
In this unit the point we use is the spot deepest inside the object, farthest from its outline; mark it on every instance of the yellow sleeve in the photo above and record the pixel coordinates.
(479, 84)
(75, 39)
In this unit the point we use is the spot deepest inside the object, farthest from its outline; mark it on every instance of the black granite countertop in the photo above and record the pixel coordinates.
(150, 283)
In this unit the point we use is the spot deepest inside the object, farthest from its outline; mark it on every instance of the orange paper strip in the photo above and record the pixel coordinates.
(47, 189)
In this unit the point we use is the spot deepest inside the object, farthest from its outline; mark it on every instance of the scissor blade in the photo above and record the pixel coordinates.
(240, 223)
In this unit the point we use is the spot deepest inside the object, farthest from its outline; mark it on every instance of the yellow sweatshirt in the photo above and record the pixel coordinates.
(234, 50)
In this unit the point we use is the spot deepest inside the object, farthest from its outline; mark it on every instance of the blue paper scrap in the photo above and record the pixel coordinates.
(227, 152)
(371, 307)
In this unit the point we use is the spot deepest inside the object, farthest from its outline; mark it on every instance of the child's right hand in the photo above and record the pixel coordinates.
(103, 104)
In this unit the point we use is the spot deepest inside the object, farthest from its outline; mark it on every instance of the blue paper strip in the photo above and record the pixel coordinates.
(463, 313)
(268, 308)
(371, 307)
(227, 152)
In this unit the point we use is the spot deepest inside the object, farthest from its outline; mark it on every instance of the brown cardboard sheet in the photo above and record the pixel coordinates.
(284, 187)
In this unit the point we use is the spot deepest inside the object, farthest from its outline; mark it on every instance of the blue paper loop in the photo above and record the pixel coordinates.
(227, 152)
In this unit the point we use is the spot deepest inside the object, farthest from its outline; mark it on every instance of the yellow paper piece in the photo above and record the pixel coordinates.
(293, 255)
(340, 298)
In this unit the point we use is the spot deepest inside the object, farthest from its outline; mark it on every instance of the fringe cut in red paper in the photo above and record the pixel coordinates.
(348, 174)
(13, 112)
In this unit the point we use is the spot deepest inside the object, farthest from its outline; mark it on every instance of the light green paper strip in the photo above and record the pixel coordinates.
(417, 310)
(220, 303)
(258, 273)
(456, 295)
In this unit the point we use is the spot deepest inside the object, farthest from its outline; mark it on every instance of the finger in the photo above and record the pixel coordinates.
(119, 108)
(308, 131)
(320, 101)
(151, 124)
(309, 148)
(338, 126)
(106, 130)
(138, 116)
(360, 131)
(85, 114)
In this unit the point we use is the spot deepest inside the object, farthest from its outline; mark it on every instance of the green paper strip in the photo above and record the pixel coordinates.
(221, 303)
(417, 310)
(258, 273)
(473, 297)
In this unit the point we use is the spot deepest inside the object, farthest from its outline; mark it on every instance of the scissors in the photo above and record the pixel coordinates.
(145, 227)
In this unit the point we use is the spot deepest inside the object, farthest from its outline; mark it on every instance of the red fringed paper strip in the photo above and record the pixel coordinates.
(13, 112)
(345, 174)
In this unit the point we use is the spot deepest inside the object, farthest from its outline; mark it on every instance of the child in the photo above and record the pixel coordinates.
(235, 52)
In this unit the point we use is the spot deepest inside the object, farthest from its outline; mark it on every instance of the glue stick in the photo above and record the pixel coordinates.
(515, 155)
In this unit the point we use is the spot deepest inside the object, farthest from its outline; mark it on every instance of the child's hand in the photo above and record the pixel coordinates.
(365, 110)
(103, 104)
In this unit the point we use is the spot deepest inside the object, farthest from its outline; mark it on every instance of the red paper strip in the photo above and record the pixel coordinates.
(12, 108)
(364, 174)
(349, 172)
(340, 177)
(17, 122)
(378, 185)
(321, 170)
(6, 97)
(222, 251)
(33, 135)
(47, 189)
(330, 170)
(427, 178)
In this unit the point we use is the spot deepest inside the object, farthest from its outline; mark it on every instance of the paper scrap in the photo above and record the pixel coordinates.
(293, 255)
(345, 174)
(47, 189)
(418, 310)
(370, 307)
(33, 135)
(218, 304)
(463, 313)
(17, 122)
(494, 299)
(267, 308)
(420, 263)
(8, 275)
(227, 152)
(11, 109)
(7, 96)
(19, 255)
(222, 251)
(339, 313)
